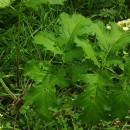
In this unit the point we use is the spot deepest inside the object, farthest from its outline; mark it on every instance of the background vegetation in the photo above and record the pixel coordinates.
(28, 66)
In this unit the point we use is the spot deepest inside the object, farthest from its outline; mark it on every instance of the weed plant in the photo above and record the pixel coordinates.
(62, 67)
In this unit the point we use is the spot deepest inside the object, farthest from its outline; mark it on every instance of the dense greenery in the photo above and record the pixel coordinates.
(64, 64)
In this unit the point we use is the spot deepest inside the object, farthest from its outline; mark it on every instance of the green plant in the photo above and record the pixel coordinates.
(86, 56)
(72, 73)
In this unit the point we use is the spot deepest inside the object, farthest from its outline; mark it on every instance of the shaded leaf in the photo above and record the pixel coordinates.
(120, 99)
(127, 67)
(93, 101)
(61, 78)
(78, 69)
(34, 70)
(42, 98)
(70, 56)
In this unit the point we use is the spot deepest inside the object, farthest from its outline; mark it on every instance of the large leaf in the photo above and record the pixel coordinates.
(4, 3)
(88, 50)
(120, 99)
(42, 98)
(48, 41)
(73, 25)
(121, 43)
(106, 37)
(93, 100)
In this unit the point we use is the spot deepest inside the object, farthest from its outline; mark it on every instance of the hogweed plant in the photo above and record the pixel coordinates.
(88, 58)
(83, 70)
(124, 24)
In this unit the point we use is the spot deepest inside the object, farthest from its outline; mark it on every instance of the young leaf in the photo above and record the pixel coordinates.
(88, 50)
(48, 41)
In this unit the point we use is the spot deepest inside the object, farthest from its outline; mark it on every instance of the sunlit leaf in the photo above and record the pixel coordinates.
(106, 37)
(88, 50)
(4, 3)
(73, 26)
(121, 43)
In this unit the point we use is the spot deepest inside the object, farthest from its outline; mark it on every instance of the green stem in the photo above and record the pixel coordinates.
(18, 49)
(12, 7)
(8, 90)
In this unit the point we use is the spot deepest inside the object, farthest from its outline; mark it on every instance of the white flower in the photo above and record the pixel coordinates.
(125, 28)
(121, 23)
(108, 27)
(1, 115)
(124, 24)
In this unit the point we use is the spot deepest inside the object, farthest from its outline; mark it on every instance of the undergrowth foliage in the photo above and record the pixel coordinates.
(60, 69)
(86, 54)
